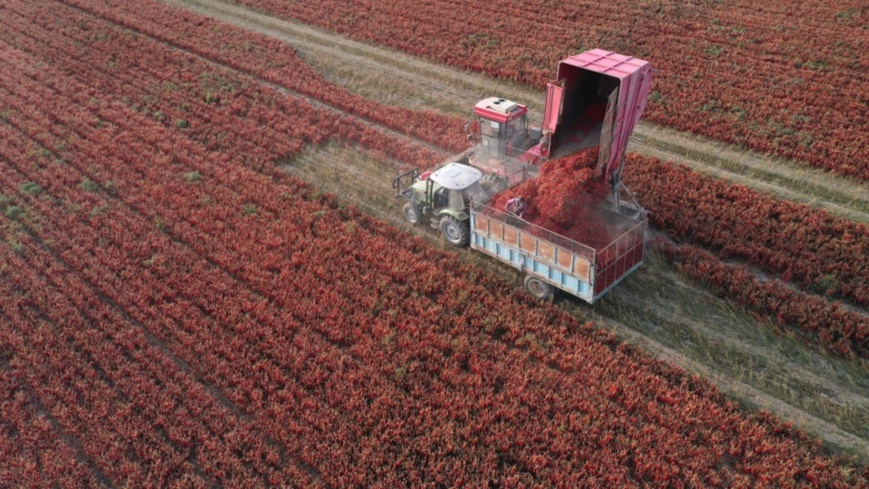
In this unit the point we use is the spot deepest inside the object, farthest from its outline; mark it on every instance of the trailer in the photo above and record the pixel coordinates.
(552, 261)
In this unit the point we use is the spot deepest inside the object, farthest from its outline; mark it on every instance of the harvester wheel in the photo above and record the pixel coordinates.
(457, 233)
(539, 288)
(412, 213)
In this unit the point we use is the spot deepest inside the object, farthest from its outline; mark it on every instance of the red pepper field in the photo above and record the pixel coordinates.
(178, 310)
(777, 76)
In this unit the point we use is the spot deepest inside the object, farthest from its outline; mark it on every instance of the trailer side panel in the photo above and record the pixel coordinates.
(533, 255)
(565, 264)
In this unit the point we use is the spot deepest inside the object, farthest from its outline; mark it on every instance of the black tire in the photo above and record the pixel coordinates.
(457, 233)
(539, 289)
(412, 212)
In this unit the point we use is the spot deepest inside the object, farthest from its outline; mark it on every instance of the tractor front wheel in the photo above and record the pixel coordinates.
(539, 288)
(457, 233)
(412, 212)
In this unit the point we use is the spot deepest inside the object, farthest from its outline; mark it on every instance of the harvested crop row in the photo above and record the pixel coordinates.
(809, 263)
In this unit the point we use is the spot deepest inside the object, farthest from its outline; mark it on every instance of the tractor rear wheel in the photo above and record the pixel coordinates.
(457, 233)
(412, 212)
(539, 288)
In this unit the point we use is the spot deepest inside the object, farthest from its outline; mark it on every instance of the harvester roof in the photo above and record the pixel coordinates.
(499, 109)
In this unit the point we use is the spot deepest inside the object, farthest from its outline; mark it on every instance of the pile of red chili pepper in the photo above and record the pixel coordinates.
(566, 199)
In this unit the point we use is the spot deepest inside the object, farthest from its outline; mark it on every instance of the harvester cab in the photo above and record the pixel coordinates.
(500, 134)
(444, 195)
(596, 99)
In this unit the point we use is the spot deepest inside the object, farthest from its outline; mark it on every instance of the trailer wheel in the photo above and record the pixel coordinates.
(456, 232)
(412, 213)
(539, 288)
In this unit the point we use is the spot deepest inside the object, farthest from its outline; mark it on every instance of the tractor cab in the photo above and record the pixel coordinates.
(444, 194)
(452, 186)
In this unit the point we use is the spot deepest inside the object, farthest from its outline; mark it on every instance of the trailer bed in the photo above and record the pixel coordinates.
(563, 263)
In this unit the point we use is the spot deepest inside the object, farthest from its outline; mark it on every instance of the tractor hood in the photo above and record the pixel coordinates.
(455, 176)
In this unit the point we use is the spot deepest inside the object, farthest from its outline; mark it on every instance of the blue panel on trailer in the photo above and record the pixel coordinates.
(543, 269)
(583, 288)
(533, 264)
(557, 276)
(519, 258)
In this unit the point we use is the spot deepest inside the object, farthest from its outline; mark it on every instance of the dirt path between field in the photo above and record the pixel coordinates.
(400, 79)
(651, 309)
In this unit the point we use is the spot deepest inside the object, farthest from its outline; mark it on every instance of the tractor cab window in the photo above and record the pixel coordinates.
(476, 192)
(457, 200)
(441, 198)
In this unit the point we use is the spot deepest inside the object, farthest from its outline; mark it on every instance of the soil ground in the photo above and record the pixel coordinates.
(654, 308)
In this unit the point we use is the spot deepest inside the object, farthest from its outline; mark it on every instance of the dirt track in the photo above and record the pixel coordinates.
(661, 320)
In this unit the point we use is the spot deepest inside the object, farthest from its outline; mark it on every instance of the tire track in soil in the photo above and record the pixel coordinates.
(745, 392)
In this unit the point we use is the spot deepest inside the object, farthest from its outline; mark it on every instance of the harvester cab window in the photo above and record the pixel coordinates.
(489, 127)
(491, 140)
(515, 127)
(516, 135)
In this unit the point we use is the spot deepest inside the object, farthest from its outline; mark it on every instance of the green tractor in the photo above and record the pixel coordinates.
(444, 195)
